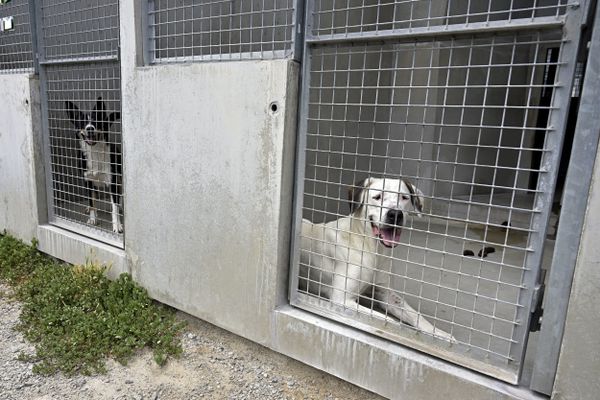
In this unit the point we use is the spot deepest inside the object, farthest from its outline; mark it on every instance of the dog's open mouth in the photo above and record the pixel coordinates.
(87, 140)
(388, 235)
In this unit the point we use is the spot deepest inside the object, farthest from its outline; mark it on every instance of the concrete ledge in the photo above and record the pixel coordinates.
(375, 364)
(77, 249)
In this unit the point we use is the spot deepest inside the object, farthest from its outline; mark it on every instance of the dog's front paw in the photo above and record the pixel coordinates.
(91, 221)
(118, 228)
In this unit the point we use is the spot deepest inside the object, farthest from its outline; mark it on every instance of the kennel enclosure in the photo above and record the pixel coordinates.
(469, 101)
(461, 98)
(79, 63)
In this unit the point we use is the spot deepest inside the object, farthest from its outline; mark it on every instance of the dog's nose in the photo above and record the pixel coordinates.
(395, 217)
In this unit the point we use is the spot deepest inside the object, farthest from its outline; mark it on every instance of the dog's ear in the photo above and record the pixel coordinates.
(416, 197)
(356, 194)
(76, 117)
(99, 111)
(114, 117)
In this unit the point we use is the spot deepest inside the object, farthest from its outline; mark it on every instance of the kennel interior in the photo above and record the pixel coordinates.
(79, 63)
(475, 121)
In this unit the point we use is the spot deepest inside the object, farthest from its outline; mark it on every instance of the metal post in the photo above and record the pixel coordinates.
(572, 216)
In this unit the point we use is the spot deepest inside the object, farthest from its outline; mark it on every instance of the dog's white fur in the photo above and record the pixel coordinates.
(340, 257)
(98, 172)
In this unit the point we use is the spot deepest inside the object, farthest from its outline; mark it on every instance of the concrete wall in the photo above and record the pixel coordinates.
(22, 201)
(208, 193)
(208, 170)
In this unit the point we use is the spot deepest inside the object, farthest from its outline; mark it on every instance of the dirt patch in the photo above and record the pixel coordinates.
(215, 365)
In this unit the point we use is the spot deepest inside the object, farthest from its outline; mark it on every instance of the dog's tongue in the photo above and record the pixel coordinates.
(389, 236)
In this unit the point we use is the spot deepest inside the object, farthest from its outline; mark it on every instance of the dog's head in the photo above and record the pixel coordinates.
(384, 203)
(91, 127)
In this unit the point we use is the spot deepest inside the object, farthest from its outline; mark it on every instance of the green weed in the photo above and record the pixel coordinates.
(76, 317)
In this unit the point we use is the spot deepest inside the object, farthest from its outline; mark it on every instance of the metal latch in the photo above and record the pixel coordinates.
(537, 310)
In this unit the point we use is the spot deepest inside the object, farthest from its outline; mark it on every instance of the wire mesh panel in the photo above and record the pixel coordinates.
(81, 103)
(416, 216)
(85, 172)
(354, 16)
(80, 28)
(220, 29)
(16, 53)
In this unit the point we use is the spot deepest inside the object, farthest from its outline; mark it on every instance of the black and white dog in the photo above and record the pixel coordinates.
(101, 158)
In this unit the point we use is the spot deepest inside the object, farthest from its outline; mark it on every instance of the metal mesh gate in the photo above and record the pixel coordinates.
(445, 120)
(81, 102)
(16, 54)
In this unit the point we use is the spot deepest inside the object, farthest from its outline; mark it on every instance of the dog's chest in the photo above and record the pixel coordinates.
(98, 163)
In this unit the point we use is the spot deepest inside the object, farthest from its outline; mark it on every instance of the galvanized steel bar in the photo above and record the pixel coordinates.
(300, 160)
(439, 30)
(549, 172)
(574, 205)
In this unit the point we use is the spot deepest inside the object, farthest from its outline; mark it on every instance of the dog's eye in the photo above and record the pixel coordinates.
(377, 197)
(405, 197)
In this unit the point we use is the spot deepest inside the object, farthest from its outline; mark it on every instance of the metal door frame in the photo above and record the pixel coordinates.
(570, 24)
(575, 195)
(41, 63)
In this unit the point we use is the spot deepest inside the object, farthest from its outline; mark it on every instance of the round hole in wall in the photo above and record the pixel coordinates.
(274, 107)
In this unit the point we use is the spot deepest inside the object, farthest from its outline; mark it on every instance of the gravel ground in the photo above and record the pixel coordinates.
(215, 365)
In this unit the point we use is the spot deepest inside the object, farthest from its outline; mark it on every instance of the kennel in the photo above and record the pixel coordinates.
(79, 62)
(466, 99)
(469, 101)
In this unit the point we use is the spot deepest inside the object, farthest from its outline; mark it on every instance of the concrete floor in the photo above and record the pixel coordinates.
(474, 298)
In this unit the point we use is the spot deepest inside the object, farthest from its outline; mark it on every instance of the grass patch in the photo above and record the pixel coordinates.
(76, 317)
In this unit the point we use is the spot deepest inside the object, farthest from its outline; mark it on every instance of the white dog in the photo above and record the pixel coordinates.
(338, 260)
